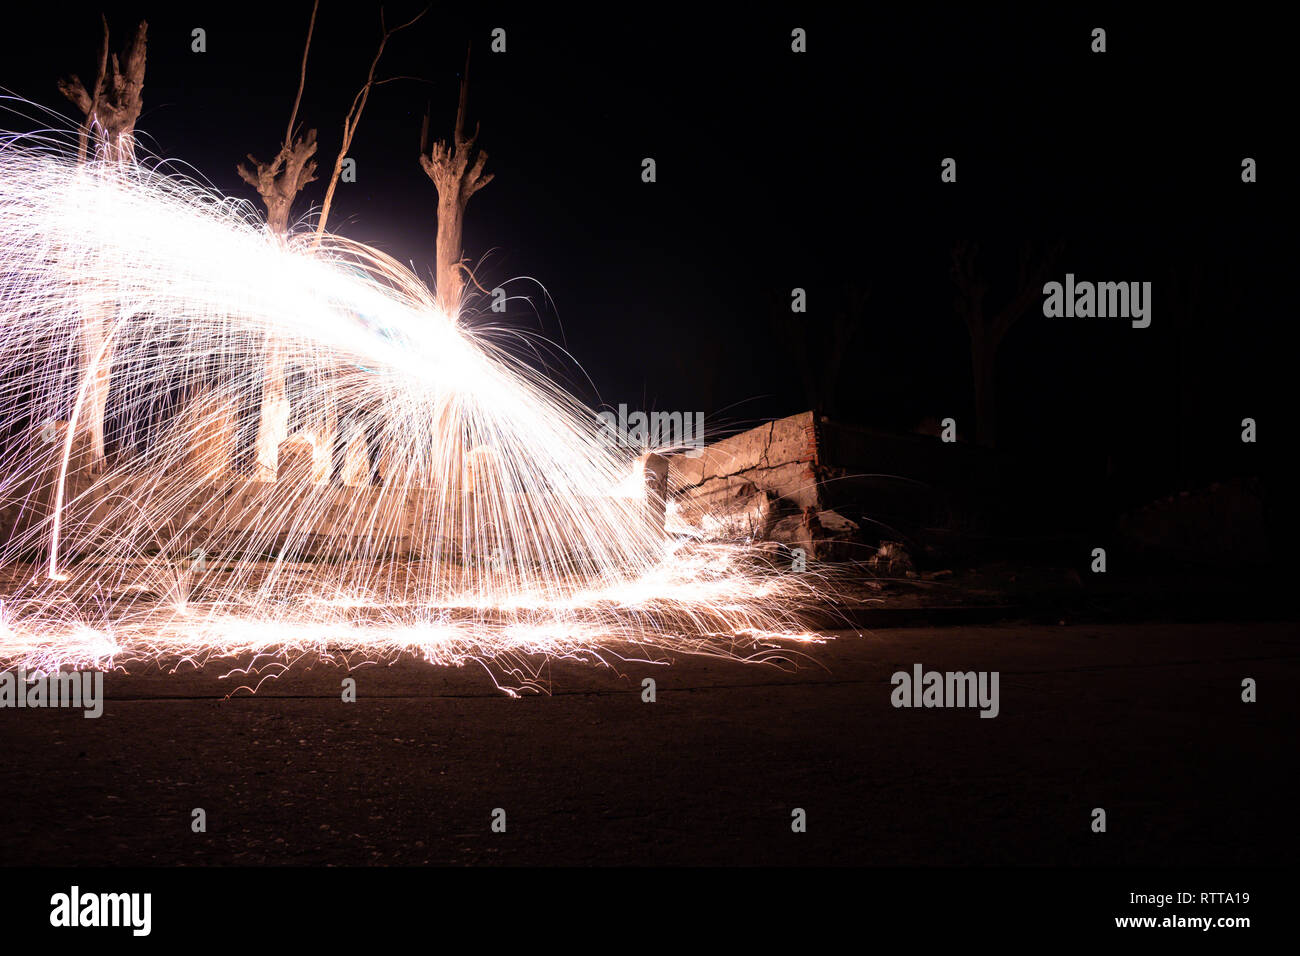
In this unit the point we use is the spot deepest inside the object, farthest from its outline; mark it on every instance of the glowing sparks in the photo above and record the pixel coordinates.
(476, 511)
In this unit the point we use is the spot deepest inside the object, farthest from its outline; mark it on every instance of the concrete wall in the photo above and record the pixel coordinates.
(778, 459)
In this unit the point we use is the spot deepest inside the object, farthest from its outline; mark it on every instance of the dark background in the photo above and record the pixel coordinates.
(778, 170)
(775, 171)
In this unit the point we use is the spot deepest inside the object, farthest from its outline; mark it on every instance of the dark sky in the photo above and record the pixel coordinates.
(778, 170)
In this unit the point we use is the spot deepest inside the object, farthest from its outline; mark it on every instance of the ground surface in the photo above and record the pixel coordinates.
(1145, 721)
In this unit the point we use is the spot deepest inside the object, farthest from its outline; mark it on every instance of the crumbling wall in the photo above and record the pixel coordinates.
(779, 457)
(766, 483)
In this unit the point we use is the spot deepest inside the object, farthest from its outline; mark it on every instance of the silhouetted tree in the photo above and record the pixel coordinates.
(987, 327)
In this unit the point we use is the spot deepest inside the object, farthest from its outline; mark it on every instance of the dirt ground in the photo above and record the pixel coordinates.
(1145, 721)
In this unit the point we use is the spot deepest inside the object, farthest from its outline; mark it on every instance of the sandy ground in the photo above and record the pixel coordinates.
(1145, 721)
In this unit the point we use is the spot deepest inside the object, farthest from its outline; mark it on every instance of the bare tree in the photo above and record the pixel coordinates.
(353, 117)
(112, 105)
(279, 182)
(456, 169)
(109, 109)
(988, 328)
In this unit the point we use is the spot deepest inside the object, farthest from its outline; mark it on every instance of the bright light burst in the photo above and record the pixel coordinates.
(499, 527)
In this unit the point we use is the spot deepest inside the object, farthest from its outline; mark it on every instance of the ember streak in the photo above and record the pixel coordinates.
(482, 515)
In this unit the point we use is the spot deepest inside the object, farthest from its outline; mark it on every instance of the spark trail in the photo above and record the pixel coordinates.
(471, 510)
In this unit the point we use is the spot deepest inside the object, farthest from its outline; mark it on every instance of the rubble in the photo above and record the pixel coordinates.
(826, 535)
(891, 559)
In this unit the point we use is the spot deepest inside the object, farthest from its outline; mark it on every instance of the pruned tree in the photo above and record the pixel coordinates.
(279, 182)
(987, 328)
(456, 168)
(109, 111)
(112, 105)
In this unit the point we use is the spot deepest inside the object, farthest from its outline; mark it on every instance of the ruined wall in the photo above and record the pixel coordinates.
(205, 507)
(762, 473)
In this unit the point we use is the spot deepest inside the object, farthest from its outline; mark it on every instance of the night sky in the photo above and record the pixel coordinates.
(1129, 692)
(778, 170)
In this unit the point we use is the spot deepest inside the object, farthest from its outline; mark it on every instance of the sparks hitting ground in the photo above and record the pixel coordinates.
(472, 510)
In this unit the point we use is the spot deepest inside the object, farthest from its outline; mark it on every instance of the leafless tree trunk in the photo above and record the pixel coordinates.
(110, 109)
(988, 329)
(456, 169)
(279, 182)
(112, 106)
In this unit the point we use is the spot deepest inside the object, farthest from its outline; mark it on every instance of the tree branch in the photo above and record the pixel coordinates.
(1031, 276)
(353, 117)
(302, 77)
